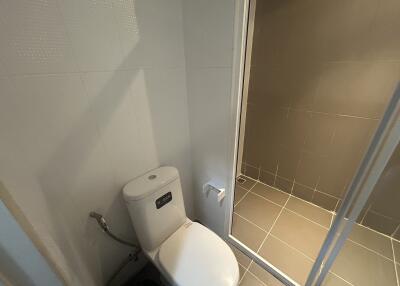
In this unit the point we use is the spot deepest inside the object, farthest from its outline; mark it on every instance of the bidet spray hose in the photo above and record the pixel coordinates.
(103, 224)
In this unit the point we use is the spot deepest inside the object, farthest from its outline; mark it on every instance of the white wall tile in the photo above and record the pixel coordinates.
(208, 32)
(208, 38)
(33, 38)
(209, 107)
(92, 28)
(150, 37)
(112, 99)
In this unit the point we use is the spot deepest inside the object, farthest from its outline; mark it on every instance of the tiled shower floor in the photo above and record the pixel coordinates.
(288, 232)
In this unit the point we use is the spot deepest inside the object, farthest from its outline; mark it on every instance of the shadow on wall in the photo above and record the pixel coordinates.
(69, 210)
(88, 253)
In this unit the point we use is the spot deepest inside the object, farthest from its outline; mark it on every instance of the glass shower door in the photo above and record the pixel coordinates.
(376, 263)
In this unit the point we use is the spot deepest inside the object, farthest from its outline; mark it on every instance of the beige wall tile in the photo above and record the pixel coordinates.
(359, 89)
(309, 169)
(322, 73)
(284, 184)
(267, 177)
(288, 160)
(252, 172)
(380, 223)
(303, 192)
(325, 201)
(385, 29)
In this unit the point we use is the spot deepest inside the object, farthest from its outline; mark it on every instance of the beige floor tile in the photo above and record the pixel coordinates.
(314, 213)
(258, 210)
(300, 233)
(242, 270)
(239, 194)
(247, 183)
(270, 193)
(242, 258)
(372, 240)
(360, 266)
(398, 272)
(333, 280)
(396, 248)
(287, 259)
(250, 280)
(247, 233)
(262, 274)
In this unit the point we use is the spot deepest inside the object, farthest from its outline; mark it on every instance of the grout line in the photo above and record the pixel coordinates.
(365, 247)
(245, 272)
(255, 276)
(394, 261)
(272, 226)
(306, 218)
(248, 191)
(268, 200)
(324, 227)
(365, 213)
(395, 231)
(341, 278)
(324, 113)
(314, 205)
(249, 221)
(292, 247)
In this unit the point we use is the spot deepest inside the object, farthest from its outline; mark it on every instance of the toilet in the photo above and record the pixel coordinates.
(185, 252)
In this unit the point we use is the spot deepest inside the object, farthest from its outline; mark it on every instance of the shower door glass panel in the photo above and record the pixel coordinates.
(318, 77)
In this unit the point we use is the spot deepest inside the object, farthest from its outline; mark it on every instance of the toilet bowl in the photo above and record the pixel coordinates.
(185, 252)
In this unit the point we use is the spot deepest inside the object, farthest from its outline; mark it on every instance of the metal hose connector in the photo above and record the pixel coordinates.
(133, 256)
(103, 224)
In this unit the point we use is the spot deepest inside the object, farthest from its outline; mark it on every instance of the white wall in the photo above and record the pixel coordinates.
(209, 38)
(92, 94)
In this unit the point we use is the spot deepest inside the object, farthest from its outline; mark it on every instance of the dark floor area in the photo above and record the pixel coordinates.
(148, 276)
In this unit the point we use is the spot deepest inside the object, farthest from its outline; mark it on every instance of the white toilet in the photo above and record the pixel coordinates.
(185, 252)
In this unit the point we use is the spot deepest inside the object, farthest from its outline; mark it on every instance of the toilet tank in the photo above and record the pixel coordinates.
(155, 205)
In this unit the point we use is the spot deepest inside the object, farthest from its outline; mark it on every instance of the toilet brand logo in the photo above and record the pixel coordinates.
(163, 200)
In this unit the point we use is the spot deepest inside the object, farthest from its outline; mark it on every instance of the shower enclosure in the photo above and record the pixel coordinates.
(317, 199)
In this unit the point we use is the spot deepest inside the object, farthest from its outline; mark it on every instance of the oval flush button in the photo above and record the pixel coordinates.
(152, 177)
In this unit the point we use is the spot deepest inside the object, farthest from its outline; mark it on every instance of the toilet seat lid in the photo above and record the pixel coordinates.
(196, 256)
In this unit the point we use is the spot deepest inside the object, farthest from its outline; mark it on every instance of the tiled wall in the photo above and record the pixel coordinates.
(321, 75)
(208, 33)
(92, 94)
(382, 210)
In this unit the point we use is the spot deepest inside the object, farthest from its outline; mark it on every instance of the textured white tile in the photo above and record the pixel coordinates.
(151, 32)
(209, 102)
(46, 111)
(208, 32)
(92, 29)
(33, 38)
(166, 92)
(115, 99)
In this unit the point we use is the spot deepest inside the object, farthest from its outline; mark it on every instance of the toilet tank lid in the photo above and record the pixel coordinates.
(150, 182)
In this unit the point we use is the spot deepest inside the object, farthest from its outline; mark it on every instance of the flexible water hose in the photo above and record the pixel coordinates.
(132, 256)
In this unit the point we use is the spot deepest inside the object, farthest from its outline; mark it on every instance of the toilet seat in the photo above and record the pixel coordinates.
(195, 256)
